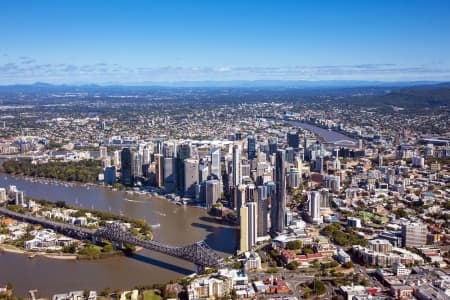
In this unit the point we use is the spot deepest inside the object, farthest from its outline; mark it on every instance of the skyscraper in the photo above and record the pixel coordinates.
(236, 166)
(290, 155)
(19, 198)
(146, 156)
(314, 206)
(159, 170)
(203, 171)
(262, 210)
(251, 147)
(294, 178)
(190, 177)
(109, 175)
(279, 203)
(273, 146)
(243, 217)
(212, 193)
(126, 173)
(103, 152)
(183, 152)
(215, 163)
(137, 165)
(168, 149)
(293, 139)
(169, 174)
(252, 227)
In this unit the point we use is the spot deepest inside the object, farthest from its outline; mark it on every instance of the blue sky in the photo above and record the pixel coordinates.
(142, 41)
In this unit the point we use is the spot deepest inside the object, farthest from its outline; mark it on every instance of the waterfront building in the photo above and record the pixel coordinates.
(126, 174)
(169, 174)
(212, 193)
(3, 197)
(19, 198)
(252, 226)
(190, 177)
(159, 170)
(183, 152)
(110, 175)
(137, 165)
(243, 244)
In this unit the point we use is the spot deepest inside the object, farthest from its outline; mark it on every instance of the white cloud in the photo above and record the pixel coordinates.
(28, 70)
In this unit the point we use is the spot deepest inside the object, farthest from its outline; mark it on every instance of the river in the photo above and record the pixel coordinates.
(179, 225)
(329, 136)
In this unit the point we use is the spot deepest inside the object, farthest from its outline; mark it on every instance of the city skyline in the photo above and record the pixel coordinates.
(78, 43)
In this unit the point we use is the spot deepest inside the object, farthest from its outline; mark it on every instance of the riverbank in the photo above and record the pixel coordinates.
(32, 254)
(61, 256)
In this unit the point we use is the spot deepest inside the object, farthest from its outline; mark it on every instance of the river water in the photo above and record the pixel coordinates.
(329, 136)
(179, 225)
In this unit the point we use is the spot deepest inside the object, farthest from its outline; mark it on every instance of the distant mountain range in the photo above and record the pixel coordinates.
(413, 97)
(301, 84)
(409, 95)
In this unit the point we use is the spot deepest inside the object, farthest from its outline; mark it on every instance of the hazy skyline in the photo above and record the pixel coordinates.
(142, 41)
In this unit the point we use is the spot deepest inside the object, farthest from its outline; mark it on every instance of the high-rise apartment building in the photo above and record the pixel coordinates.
(279, 202)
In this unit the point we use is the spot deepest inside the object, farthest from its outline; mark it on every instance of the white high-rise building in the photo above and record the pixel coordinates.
(20, 198)
(252, 223)
(146, 156)
(3, 195)
(314, 207)
(103, 152)
(243, 217)
(236, 167)
(117, 159)
(215, 162)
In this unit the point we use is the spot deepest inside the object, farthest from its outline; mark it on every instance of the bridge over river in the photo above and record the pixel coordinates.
(198, 253)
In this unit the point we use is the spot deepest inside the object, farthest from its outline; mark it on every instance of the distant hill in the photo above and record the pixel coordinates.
(422, 96)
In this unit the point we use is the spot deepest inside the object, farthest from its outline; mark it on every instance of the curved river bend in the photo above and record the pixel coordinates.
(329, 136)
(179, 225)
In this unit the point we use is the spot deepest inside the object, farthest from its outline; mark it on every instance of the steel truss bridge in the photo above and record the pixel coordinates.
(198, 253)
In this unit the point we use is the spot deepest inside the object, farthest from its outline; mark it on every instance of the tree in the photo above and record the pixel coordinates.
(317, 287)
(105, 292)
(107, 248)
(294, 245)
(60, 204)
(293, 265)
(348, 265)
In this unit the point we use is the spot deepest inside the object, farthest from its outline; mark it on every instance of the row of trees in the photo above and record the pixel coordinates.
(342, 238)
(82, 171)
